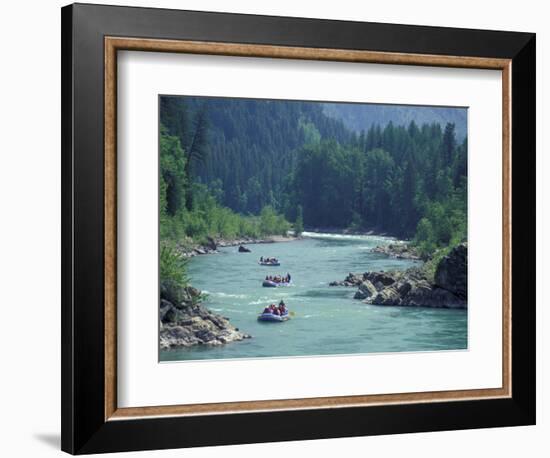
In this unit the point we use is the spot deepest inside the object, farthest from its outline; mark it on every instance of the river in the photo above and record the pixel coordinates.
(327, 320)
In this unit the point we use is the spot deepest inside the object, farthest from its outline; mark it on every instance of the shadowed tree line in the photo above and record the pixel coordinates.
(228, 163)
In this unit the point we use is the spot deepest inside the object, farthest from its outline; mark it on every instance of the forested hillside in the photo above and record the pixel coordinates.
(290, 157)
(251, 146)
(359, 117)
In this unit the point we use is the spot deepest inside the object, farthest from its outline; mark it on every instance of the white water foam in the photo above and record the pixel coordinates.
(234, 296)
(365, 237)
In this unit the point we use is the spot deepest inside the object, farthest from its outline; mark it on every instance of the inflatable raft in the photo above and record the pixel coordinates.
(272, 284)
(270, 263)
(272, 317)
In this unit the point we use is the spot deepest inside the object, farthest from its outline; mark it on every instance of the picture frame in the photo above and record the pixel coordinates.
(92, 35)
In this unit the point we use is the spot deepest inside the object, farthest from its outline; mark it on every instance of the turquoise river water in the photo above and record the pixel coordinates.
(327, 320)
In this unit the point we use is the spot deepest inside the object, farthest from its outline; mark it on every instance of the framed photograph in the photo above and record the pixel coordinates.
(281, 228)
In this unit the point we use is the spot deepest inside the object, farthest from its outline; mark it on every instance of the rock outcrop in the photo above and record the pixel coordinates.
(351, 280)
(452, 272)
(366, 290)
(187, 322)
(211, 244)
(412, 287)
(243, 249)
(398, 251)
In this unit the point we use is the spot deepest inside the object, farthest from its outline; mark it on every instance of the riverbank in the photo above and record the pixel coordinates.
(186, 323)
(347, 231)
(211, 246)
(398, 250)
(413, 286)
(184, 320)
(325, 320)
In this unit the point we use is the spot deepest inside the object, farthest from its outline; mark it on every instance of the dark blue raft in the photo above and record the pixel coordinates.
(273, 318)
(274, 284)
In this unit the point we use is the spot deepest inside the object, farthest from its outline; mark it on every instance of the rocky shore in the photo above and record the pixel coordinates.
(211, 246)
(185, 322)
(398, 251)
(412, 287)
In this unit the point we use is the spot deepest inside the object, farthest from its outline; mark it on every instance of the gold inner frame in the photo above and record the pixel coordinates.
(114, 44)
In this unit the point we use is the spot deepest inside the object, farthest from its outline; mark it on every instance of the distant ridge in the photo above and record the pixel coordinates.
(358, 117)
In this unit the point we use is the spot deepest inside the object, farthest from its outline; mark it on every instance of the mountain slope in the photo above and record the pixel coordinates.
(252, 145)
(359, 117)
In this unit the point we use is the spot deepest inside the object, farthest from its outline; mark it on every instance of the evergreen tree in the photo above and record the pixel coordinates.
(289, 157)
(448, 144)
(299, 223)
(173, 178)
(197, 149)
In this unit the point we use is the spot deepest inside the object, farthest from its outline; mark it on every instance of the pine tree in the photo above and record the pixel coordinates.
(196, 150)
(449, 144)
(299, 223)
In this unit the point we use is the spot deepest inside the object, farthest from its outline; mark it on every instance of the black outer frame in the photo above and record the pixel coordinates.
(84, 429)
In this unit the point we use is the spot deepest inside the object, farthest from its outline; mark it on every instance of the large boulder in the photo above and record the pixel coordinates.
(211, 244)
(388, 296)
(194, 324)
(196, 330)
(412, 287)
(177, 336)
(165, 307)
(382, 278)
(172, 292)
(423, 294)
(193, 292)
(452, 272)
(171, 314)
(366, 290)
(444, 298)
(419, 294)
(353, 279)
(243, 249)
(403, 287)
(350, 280)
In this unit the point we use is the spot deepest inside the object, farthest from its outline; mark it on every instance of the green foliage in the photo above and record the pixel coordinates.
(299, 223)
(249, 145)
(431, 264)
(324, 183)
(387, 180)
(273, 223)
(377, 187)
(172, 180)
(425, 238)
(311, 135)
(357, 119)
(197, 149)
(232, 167)
(173, 267)
(448, 143)
(193, 212)
(444, 224)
